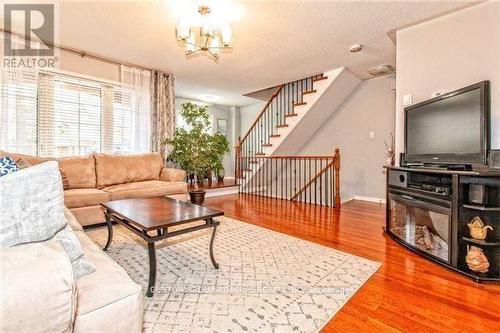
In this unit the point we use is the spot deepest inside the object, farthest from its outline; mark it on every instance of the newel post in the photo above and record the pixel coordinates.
(336, 167)
(237, 154)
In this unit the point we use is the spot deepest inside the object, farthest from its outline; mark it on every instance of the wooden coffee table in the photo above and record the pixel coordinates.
(150, 219)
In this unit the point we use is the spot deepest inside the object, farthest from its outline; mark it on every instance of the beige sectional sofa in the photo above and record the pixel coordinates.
(44, 296)
(98, 178)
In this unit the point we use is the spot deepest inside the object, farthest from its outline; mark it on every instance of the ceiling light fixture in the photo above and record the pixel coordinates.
(204, 29)
(380, 70)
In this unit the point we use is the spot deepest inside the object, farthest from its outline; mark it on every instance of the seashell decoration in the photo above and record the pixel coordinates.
(476, 260)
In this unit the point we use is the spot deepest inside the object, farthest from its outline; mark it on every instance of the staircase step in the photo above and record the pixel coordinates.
(274, 135)
(309, 92)
(280, 126)
(267, 145)
(299, 104)
(320, 78)
(291, 115)
(260, 154)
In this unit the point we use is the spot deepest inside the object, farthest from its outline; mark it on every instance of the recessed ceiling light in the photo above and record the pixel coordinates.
(381, 70)
(355, 48)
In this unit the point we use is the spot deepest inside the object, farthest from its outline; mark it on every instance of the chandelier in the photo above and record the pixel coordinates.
(204, 32)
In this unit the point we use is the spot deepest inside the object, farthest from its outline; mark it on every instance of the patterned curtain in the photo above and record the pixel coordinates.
(162, 110)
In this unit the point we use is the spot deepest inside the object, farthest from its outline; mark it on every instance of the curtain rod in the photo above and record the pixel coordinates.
(81, 53)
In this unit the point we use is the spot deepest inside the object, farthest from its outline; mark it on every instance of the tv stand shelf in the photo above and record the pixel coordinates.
(429, 210)
(474, 172)
(482, 208)
(480, 242)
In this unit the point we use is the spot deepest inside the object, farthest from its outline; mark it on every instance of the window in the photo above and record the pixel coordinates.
(18, 112)
(64, 115)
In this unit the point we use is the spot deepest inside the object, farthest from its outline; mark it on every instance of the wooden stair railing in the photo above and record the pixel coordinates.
(300, 178)
(334, 166)
(274, 114)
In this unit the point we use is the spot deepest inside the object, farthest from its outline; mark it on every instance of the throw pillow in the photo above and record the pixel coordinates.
(32, 206)
(7, 165)
(23, 164)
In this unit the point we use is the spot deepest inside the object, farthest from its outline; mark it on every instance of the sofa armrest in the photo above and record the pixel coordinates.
(172, 175)
(38, 288)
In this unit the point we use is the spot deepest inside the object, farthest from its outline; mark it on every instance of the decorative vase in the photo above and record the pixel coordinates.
(220, 174)
(477, 228)
(197, 197)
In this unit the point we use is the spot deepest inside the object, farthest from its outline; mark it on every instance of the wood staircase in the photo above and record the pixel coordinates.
(311, 179)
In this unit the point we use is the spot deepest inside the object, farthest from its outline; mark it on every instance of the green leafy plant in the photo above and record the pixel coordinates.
(195, 150)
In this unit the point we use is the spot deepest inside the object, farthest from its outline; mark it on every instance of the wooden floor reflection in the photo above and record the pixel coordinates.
(408, 293)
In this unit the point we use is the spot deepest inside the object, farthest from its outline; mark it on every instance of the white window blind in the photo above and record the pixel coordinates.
(70, 115)
(18, 111)
(69, 120)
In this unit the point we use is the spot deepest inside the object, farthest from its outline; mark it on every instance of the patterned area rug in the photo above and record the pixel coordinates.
(267, 281)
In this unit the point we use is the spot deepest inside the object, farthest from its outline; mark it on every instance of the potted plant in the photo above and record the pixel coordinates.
(194, 149)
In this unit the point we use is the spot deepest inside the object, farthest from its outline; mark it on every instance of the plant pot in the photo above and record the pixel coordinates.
(197, 197)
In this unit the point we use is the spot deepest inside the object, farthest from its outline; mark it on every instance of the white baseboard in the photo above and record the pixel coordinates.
(215, 192)
(369, 199)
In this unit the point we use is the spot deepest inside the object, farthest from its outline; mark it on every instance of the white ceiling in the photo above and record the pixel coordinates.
(275, 42)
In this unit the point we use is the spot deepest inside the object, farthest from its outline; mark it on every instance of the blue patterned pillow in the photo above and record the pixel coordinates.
(7, 165)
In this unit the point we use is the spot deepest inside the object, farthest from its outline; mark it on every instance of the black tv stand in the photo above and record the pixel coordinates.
(428, 211)
(455, 167)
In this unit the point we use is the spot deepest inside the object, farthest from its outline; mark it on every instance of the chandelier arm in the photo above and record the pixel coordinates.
(213, 54)
(194, 44)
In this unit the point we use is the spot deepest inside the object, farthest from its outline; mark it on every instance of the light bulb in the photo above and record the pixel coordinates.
(183, 30)
(227, 35)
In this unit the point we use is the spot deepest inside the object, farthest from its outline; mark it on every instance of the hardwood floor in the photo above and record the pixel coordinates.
(408, 293)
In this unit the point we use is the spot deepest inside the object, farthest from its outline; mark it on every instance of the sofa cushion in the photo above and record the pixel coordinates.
(31, 159)
(107, 285)
(83, 197)
(79, 171)
(121, 169)
(89, 215)
(38, 288)
(145, 189)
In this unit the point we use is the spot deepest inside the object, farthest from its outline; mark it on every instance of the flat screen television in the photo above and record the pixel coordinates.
(449, 129)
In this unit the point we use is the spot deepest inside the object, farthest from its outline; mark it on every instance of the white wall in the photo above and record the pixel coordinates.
(91, 67)
(369, 108)
(449, 53)
(248, 114)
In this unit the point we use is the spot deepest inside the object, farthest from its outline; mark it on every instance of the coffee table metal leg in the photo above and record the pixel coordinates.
(152, 269)
(109, 223)
(216, 265)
